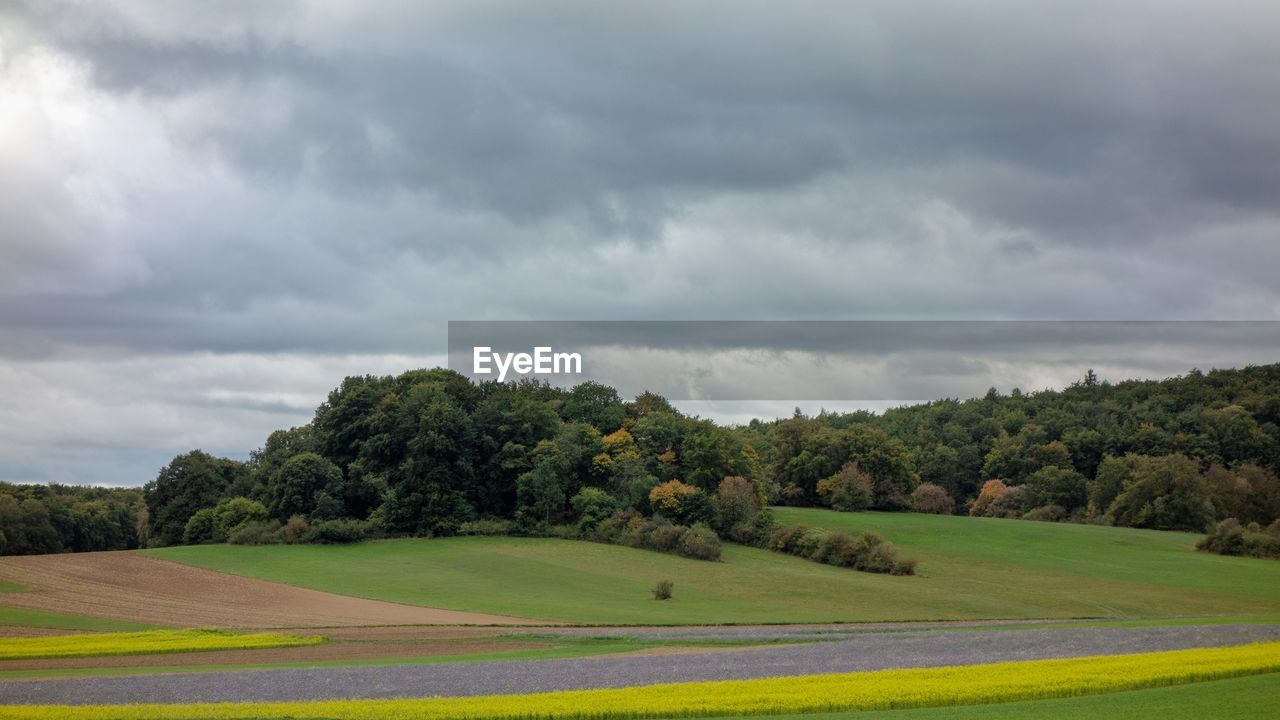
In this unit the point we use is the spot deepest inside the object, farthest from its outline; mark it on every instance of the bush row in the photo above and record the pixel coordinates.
(622, 527)
(866, 551)
(1232, 538)
(298, 530)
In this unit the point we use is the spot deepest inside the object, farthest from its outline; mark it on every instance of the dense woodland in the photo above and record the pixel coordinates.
(430, 453)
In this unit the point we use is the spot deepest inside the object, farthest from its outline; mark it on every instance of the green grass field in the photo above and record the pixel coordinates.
(19, 617)
(1248, 698)
(970, 568)
(953, 546)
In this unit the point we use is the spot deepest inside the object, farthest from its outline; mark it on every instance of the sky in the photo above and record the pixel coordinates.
(212, 212)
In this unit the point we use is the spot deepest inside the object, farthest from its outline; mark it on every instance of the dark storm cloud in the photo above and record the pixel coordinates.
(287, 184)
(1079, 119)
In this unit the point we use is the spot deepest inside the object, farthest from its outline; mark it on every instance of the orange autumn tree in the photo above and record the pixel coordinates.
(670, 496)
(991, 490)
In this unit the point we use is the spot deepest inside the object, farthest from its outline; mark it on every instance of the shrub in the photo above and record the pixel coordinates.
(592, 505)
(662, 591)
(257, 532)
(628, 527)
(565, 532)
(991, 490)
(904, 566)
(1229, 537)
(764, 524)
(849, 490)
(806, 545)
(486, 527)
(200, 528)
(786, 539)
(635, 533)
(933, 499)
(867, 551)
(338, 532)
(743, 532)
(697, 509)
(663, 536)
(836, 549)
(700, 543)
(736, 501)
(232, 513)
(1046, 513)
(1009, 504)
(609, 529)
(295, 530)
(669, 496)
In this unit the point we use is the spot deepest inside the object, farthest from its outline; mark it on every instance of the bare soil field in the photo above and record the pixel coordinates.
(10, 631)
(128, 586)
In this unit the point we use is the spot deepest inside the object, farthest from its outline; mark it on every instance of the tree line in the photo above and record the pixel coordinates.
(429, 452)
(39, 519)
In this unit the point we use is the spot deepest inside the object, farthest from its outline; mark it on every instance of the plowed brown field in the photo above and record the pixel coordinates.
(128, 586)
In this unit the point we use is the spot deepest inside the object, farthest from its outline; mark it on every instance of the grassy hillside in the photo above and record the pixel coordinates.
(970, 569)
(965, 548)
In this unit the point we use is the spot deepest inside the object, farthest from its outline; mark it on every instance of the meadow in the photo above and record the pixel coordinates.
(21, 617)
(970, 569)
(889, 689)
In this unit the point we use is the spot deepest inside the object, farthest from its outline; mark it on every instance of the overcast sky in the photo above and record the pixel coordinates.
(210, 213)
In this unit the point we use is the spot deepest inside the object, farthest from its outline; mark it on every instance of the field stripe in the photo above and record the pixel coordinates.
(151, 642)
(879, 690)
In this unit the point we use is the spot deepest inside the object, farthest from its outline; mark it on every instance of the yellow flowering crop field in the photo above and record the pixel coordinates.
(144, 643)
(885, 689)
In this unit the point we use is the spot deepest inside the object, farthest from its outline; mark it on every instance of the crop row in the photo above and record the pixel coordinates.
(885, 689)
(144, 643)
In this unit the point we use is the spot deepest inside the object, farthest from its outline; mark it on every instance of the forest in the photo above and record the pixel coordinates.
(429, 453)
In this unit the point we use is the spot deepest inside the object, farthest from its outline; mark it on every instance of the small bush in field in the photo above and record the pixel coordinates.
(700, 543)
(933, 499)
(904, 566)
(662, 591)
